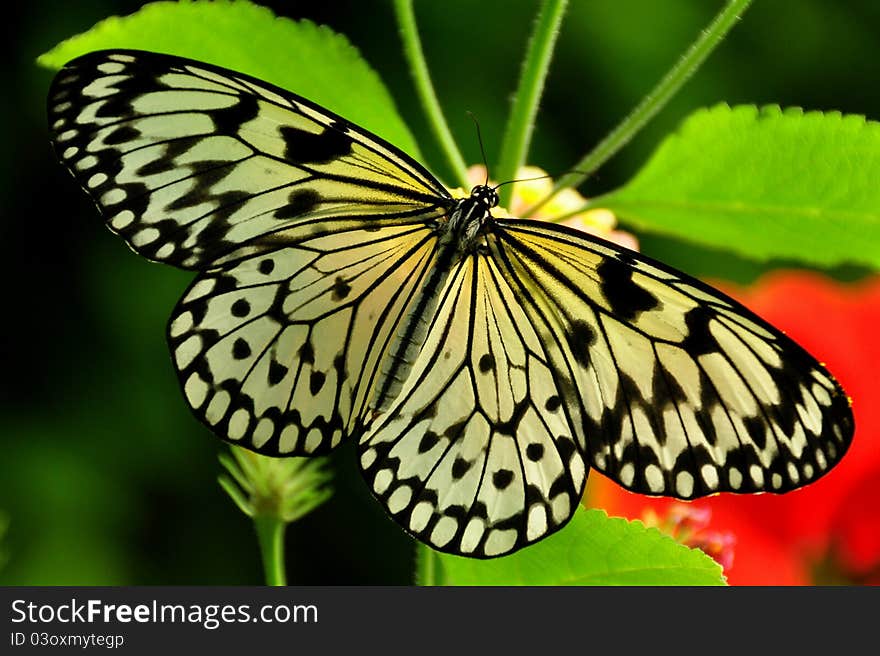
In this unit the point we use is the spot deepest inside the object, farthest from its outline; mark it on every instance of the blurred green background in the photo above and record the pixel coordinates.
(106, 477)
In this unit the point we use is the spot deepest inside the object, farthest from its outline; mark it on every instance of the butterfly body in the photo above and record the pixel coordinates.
(458, 235)
(469, 218)
(483, 364)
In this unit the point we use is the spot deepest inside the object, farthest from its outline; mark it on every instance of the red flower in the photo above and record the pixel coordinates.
(689, 524)
(829, 531)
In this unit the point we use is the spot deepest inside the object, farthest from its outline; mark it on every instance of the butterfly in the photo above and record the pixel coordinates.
(483, 364)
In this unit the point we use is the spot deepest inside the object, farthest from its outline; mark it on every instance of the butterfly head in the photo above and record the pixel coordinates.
(485, 195)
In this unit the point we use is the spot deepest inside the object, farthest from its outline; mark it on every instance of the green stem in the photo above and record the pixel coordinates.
(426, 566)
(270, 534)
(521, 123)
(412, 48)
(654, 101)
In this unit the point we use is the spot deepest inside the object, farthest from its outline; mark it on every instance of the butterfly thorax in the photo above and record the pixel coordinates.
(467, 218)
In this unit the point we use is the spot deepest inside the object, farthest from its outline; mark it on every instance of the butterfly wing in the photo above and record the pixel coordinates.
(477, 454)
(311, 235)
(676, 388)
(195, 165)
(551, 351)
(281, 352)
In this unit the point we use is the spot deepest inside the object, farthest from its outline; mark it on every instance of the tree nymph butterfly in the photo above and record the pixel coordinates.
(483, 364)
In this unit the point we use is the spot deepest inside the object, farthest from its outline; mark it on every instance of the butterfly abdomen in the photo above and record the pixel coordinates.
(411, 334)
(456, 238)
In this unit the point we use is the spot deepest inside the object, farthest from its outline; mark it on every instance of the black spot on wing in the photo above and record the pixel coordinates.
(230, 119)
(121, 135)
(208, 173)
(502, 478)
(699, 338)
(460, 467)
(455, 431)
(316, 382)
(566, 447)
(277, 372)
(429, 439)
(116, 106)
(535, 451)
(160, 165)
(167, 160)
(303, 147)
(229, 202)
(341, 289)
(240, 349)
(757, 431)
(626, 298)
(580, 337)
(240, 308)
(300, 202)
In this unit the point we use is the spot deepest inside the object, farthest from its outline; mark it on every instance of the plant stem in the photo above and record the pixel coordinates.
(270, 534)
(521, 122)
(654, 101)
(412, 49)
(426, 566)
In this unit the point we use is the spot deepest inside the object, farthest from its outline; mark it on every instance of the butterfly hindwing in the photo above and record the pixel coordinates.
(477, 455)
(280, 353)
(679, 390)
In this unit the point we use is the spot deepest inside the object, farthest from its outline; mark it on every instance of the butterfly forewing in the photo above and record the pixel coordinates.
(193, 165)
(679, 389)
(477, 455)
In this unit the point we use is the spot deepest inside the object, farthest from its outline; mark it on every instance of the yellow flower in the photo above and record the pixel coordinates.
(535, 184)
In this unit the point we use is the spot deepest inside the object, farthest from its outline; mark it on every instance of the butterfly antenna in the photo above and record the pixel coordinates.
(480, 140)
(540, 177)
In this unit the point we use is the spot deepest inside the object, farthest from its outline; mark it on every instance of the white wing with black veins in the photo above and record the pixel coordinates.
(478, 455)
(677, 389)
(312, 235)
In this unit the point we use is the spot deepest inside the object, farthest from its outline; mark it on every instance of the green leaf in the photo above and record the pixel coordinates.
(308, 59)
(765, 183)
(593, 549)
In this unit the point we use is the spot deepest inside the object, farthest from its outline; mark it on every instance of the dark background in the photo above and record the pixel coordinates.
(106, 478)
